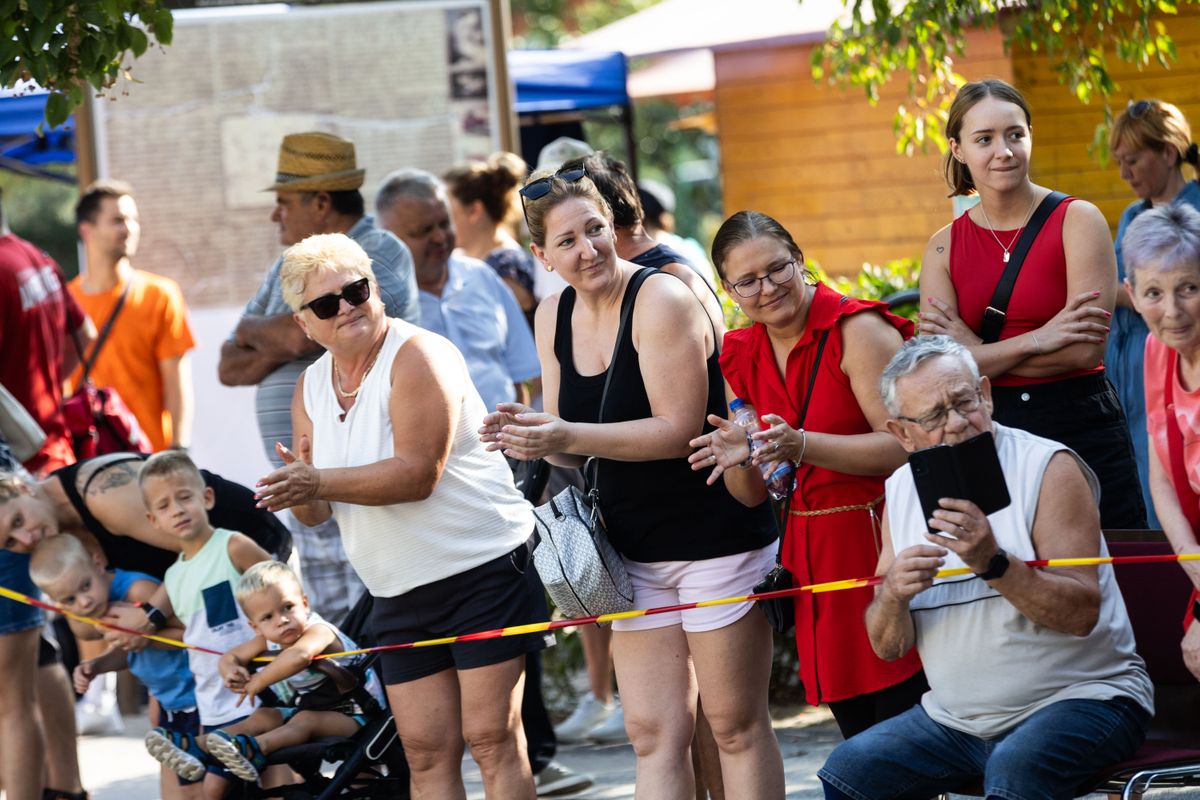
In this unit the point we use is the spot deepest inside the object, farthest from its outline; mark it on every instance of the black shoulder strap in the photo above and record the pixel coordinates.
(994, 314)
(635, 283)
(90, 361)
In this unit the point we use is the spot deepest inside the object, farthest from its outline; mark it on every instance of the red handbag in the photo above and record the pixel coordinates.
(1188, 501)
(97, 418)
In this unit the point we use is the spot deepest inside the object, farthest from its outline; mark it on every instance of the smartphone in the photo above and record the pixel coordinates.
(968, 470)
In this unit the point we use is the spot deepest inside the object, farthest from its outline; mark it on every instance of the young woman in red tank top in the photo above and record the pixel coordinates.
(1047, 368)
(841, 451)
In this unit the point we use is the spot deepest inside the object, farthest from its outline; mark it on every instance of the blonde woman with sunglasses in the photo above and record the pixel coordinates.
(384, 427)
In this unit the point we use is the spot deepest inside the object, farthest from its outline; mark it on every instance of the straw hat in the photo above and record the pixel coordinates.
(316, 162)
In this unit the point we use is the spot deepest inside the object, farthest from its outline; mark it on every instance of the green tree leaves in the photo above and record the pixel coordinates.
(922, 38)
(64, 45)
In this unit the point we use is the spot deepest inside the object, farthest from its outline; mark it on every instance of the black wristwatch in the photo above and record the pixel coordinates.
(158, 620)
(1196, 610)
(996, 567)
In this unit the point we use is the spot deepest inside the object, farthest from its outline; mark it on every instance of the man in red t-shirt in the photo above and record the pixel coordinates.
(37, 317)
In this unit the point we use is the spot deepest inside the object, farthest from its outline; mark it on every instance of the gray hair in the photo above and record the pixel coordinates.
(911, 355)
(1168, 236)
(415, 184)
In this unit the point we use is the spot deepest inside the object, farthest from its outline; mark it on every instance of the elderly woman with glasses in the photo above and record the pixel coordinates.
(1151, 141)
(810, 367)
(384, 427)
(633, 402)
(1162, 277)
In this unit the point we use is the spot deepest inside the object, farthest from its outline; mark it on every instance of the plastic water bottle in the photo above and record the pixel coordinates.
(777, 475)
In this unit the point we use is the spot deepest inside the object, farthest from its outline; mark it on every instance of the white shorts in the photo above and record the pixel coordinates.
(670, 583)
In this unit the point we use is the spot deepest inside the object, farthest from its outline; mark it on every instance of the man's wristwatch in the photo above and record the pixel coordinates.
(996, 567)
(158, 620)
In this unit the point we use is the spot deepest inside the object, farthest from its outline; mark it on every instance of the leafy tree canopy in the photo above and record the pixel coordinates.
(67, 45)
(922, 38)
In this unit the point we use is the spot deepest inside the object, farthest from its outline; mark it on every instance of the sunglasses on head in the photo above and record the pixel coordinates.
(1138, 110)
(355, 293)
(538, 189)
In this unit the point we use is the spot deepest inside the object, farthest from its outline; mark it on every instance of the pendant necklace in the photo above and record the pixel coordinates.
(337, 377)
(992, 231)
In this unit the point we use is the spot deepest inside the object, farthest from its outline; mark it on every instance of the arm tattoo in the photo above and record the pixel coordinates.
(113, 477)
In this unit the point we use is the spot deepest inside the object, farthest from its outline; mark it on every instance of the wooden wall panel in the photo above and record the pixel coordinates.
(824, 162)
(1063, 127)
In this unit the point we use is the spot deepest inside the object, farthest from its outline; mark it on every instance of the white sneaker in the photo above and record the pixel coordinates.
(612, 730)
(587, 715)
(96, 713)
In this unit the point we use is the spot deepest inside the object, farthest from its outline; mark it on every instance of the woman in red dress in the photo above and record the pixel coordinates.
(841, 451)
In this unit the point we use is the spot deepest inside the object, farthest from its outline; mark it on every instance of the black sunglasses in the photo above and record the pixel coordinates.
(1138, 110)
(538, 189)
(327, 305)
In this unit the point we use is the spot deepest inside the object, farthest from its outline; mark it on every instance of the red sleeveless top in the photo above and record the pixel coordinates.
(836, 659)
(976, 263)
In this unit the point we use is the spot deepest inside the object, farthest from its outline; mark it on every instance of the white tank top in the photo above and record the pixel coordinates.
(474, 515)
(988, 666)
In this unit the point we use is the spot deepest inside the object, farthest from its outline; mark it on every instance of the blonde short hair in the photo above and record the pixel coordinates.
(11, 486)
(170, 462)
(325, 251)
(55, 557)
(1155, 125)
(264, 575)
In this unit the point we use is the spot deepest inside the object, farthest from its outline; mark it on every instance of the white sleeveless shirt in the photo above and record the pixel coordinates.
(989, 667)
(474, 514)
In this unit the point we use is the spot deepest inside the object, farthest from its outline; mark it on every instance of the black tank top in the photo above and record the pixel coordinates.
(233, 509)
(654, 510)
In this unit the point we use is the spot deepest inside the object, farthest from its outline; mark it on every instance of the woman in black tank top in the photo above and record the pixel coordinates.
(669, 526)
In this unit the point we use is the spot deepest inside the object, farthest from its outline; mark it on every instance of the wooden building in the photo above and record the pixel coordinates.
(824, 161)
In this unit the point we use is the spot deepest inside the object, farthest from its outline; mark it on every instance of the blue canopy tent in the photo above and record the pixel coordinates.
(21, 149)
(556, 86)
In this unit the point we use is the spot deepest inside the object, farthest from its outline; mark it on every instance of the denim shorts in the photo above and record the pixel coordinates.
(14, 574)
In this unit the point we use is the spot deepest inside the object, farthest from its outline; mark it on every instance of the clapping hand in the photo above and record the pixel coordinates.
(520, 432)
(295, 483)
(726, 446)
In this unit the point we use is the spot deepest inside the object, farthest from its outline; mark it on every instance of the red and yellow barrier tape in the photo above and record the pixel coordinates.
(553, 625)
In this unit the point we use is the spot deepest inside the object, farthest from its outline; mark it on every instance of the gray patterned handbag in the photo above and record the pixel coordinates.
(578, 566)
(582, 572)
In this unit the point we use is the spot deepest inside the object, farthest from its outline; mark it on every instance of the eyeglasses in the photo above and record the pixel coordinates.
(327, 305)
(1138, 110)
(937, 418)
(752, 287)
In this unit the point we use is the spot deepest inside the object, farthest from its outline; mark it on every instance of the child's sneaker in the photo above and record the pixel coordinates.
(179, 752)
(239, 753)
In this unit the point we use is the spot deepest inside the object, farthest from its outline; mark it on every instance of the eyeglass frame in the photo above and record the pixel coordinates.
(337, 298)
(792, 264)
(930, 423)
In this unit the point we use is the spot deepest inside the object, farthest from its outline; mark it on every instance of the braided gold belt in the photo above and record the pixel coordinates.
(821, 512)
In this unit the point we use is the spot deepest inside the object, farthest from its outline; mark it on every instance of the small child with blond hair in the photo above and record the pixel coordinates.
(277, 608)
(76, 580)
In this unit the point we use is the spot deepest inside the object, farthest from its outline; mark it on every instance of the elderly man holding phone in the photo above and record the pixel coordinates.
(1034, 680)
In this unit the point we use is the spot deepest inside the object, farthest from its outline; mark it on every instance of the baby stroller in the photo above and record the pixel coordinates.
(371, 763)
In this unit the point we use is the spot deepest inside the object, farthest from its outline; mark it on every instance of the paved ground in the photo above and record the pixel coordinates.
(118, 768)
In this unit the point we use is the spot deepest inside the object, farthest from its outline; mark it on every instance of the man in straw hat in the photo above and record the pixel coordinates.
(316, 191)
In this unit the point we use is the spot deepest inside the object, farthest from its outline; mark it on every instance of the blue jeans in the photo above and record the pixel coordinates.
(1049, 755)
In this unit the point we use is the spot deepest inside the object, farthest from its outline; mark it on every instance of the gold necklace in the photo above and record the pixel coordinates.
(337, 376)
(1017, 235)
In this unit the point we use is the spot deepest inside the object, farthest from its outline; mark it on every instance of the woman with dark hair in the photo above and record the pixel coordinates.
(482, 204)
(1045, 359)
(810, 367)
(679, 538)
(1151, 141)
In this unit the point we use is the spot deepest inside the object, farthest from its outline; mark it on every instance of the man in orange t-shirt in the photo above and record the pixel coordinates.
(145, 357)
